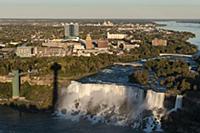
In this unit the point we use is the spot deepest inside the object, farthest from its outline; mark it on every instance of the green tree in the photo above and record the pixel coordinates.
(184, 85)
(140, 76)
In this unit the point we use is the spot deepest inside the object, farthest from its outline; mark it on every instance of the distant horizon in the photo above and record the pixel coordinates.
(123, 9)
(43, 18)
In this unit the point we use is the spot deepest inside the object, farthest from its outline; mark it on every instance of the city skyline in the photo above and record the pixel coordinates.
(155, 9)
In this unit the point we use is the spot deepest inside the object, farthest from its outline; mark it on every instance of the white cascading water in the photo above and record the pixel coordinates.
(155, 99)
(155, 102)
(109, 103)
(178, 103)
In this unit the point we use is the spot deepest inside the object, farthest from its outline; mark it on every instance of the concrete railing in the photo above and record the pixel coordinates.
(178, 55)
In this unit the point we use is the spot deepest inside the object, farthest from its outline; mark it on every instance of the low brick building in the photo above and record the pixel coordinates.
(101, 43)
(159, 42)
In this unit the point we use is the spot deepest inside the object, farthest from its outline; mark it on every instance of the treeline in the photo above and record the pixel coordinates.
(28, 32)
(178, 47)
(175, 75)
(165, 67)
(70, 65)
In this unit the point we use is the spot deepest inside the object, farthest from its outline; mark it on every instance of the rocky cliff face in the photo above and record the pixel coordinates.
(186, 120)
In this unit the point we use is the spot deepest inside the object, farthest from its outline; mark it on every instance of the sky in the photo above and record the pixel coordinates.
(134, 9)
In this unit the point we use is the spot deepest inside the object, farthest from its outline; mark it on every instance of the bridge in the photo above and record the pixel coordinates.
(129, 64)
(178, 55)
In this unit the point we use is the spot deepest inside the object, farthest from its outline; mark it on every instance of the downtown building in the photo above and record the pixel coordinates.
(116, 36)
(71, 30)
(29, 51)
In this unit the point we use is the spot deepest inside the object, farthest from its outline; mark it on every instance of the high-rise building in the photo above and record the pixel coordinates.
(89, 44)
(71, 30)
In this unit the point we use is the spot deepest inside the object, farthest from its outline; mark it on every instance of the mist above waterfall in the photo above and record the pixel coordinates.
(115, 103)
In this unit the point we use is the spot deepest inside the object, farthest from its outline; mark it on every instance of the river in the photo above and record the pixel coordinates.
(188, 27)
(11, 121)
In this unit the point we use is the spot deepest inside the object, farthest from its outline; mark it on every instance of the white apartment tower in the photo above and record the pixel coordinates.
(71, 30)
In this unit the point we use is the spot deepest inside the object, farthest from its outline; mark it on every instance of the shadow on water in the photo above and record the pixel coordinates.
(45, 123)
(42, 122)
(55, 68)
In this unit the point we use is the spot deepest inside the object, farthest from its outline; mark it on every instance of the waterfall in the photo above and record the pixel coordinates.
(117, 103)
(108, 103)
(155, 103)
(155, 99)
(178, 103)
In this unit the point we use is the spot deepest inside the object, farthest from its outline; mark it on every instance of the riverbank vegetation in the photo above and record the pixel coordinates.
(71, 66)
(178, 78)
(5, 90)
(188, 118)
(175, 75)
(37, 96)
(176, 42)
